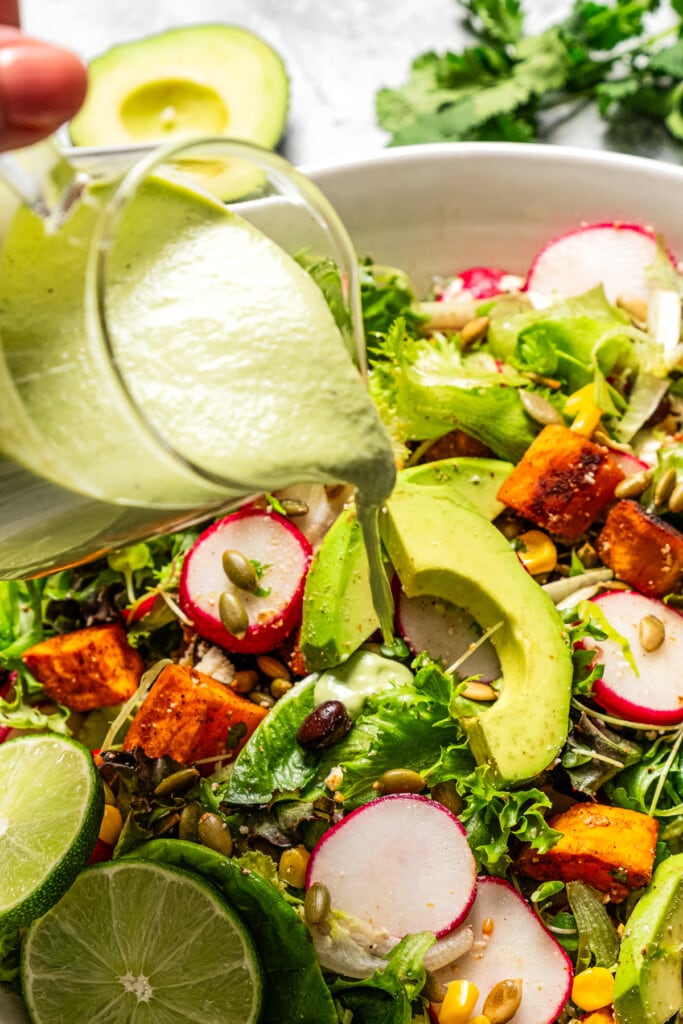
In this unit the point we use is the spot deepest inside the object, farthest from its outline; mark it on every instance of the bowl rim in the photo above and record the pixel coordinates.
(531, 152)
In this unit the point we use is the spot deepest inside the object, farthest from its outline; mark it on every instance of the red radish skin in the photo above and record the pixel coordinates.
(655, 696)
(519, 946)
(628, 464)
(6, 731)
(265, 537)
(484, 283)
(445, 632)
(615, 255)
(143, 607)
(401, 863)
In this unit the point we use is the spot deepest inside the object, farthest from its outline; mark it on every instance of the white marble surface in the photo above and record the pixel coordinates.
(338, 54)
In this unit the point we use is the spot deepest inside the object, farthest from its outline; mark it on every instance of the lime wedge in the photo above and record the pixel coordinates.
(133, 942)
(50, 813)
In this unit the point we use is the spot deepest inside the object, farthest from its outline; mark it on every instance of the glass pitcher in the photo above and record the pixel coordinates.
(163, 355)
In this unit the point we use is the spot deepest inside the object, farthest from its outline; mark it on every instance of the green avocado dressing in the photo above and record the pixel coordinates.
(231, 378)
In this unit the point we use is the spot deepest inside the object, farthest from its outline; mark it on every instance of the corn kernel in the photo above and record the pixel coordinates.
(593, 988)
(111, 826)
(458, 1002)
(292, 866)
(536, 552)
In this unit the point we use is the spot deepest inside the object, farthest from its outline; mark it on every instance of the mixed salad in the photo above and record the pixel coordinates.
(479, 820)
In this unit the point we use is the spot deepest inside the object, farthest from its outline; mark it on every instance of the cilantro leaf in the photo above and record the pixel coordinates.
(501, 21)
(504, 85)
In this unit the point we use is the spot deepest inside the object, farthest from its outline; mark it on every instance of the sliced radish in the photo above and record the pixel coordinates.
(282, 555)
(615, 255)
(518, 947)
(483, 283)
(630, 465)
(142, 607)
(655, 694)
(401, 862)
(446, 632)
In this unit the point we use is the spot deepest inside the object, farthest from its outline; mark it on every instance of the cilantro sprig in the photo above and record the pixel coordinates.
(505, 85)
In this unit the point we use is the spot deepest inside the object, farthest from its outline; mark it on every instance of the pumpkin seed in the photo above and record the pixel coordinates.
(634, 306)
(665, 486)
(588, 555)
(162, 826)
(189, 821)
(244, 681)
(214, 833)
(676, 499)
(539, 408)
(474, 331)
(399, 780)
(432, 989)
(479, 691)
(233, 614)
(651, 633)
(293, 507)
(239, 570)
(178, 782)
(502, 1002)
(317, 903)
(633, 486)
(272, 668)
(446, 793)
(279, 687)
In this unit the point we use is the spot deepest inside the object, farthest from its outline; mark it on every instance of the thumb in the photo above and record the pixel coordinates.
(41, 87)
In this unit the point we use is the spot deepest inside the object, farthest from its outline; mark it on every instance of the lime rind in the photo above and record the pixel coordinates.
(51, 805)
(133, 942)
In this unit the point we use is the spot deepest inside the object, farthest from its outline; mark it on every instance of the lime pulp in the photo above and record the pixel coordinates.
(50, 813)
(133, 942)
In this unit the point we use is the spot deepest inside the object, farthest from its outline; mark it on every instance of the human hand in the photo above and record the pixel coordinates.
(41, 86)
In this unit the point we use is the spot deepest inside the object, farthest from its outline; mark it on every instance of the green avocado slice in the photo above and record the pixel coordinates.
(196, 80)
(338, 613)
(649, 980)
(445, 549)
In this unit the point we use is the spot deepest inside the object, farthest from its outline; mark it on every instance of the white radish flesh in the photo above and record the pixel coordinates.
(510, 942)
(401, 862)
(283, 554)
(446, 632)
(615, 255)
(653, 694)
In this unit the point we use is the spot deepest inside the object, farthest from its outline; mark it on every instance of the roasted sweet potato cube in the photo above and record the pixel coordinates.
(642, 549)
(562, 483)
(90, 668)
(610, 848)
(191, 716)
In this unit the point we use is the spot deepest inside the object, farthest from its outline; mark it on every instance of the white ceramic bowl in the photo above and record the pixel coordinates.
(436, 209)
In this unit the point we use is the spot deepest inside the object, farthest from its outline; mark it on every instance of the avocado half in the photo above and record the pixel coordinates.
(196, 80)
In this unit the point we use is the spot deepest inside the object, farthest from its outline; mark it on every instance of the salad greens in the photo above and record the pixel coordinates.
(507, 85)
(278, 796)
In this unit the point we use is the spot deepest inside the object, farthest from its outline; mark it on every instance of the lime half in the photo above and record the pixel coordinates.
(50, 813)
(133, 942)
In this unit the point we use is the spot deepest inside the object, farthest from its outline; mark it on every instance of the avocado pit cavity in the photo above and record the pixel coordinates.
(171, 106)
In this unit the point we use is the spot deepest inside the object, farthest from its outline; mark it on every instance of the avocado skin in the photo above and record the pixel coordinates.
(443, 548)
(243, 82)
(338, 613)
(648, 984)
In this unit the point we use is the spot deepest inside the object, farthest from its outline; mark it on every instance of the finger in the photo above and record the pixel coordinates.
(41, 87)
(9, 12)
